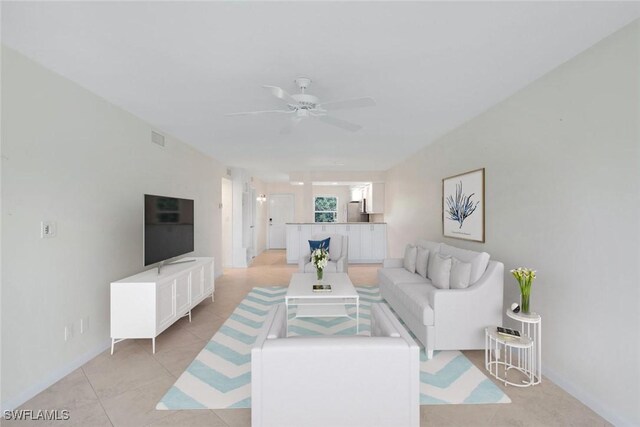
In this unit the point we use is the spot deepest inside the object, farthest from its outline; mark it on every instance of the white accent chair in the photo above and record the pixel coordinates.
(338, 255)
(335, 380)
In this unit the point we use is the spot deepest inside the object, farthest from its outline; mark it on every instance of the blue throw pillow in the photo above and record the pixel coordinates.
(317, 244)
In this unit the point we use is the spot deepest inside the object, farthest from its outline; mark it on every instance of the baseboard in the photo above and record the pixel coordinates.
(587, 398)
(12, 403)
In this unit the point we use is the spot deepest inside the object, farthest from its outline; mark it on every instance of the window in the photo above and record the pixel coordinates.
(325, 208)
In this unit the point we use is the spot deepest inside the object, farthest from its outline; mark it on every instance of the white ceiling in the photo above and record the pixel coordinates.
(430, 65)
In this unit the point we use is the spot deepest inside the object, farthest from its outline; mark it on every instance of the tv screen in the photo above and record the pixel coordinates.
(168, 228)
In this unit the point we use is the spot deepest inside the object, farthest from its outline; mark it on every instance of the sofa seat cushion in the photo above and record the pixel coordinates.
(417, 299)
(332, 267)
(401, 275)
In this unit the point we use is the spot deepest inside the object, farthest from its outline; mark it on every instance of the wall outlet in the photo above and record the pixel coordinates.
(68, 332)
(84, 324)
(48, 229)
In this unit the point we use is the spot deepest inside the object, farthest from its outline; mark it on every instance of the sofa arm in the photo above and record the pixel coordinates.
(463, 313)
(341, 265)
(392, 263)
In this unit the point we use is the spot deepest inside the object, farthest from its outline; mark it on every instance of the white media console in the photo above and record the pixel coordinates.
(145, 304)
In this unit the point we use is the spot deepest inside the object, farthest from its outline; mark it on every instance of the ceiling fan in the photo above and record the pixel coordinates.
(301, 105)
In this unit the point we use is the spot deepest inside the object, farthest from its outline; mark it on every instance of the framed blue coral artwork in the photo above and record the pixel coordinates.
(463, 206)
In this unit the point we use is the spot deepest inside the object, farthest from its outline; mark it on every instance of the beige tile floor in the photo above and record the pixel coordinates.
(123, 389)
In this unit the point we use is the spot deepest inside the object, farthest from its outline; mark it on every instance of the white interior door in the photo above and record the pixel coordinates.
(227, 225)
(248, 222)
(281, 211)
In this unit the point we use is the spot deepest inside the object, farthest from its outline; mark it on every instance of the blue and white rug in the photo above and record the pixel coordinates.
(220, 376)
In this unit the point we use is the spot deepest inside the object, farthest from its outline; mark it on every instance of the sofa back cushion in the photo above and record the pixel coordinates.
(433, 247)
(460, 274)
(478, 260)
(422, 259)
(335, 244)
(319, 244)
(440, 271)
(409, 262)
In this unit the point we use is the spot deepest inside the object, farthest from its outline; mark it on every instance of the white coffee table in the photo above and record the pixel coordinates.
(322, 304)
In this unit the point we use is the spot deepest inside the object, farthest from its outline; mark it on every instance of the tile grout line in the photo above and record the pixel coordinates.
(97, 397)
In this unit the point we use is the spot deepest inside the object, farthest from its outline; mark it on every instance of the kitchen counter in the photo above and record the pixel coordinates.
(367, 240)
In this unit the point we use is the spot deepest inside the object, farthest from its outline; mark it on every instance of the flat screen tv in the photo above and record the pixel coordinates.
(168, 228)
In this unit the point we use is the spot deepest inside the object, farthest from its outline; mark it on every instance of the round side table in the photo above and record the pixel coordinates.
(531, 326)
(499, 357)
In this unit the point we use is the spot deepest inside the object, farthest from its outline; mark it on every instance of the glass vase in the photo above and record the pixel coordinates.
(319, 274)
(524, 302)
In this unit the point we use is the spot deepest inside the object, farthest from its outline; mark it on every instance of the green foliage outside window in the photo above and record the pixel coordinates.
(326, 208)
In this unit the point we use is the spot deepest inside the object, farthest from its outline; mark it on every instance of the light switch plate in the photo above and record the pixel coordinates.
(48, 229)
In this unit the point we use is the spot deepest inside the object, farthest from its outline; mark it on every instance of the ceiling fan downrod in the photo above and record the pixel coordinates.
(303, 83)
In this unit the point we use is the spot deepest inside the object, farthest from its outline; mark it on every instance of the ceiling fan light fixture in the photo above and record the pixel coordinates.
(302, 105)
(303, 83)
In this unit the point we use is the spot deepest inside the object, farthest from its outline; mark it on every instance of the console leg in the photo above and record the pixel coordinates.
(429, 354)
(189, 316)
(113, 342)
(153, 345)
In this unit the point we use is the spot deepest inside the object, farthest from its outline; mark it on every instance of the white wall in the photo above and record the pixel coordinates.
(304, 195)
(301, 209)
(71, 157)
(562, 161)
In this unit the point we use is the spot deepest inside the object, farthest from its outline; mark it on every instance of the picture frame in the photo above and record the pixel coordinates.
(463, 209)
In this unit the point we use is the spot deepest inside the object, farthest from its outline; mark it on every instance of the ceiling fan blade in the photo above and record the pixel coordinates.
(349, 103)
(278, 92)
(293, 122)
(253, 113)
(340, 123)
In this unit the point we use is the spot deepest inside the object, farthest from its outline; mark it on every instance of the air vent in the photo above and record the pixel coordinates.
(228, 171)
(157, 138)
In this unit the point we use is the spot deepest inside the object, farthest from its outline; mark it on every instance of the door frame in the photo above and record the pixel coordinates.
(227, 257)
(293, 207)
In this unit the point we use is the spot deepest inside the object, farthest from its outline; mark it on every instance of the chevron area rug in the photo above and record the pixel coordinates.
(220, 376)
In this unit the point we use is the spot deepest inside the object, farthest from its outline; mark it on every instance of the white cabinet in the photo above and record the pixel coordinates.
(375, 198)
(373, 242)
(298, 236)
(166, 307)
(196, 286)
(353, 232)
(379, 238)
(144, 305)
(183, 299)
(367, 242)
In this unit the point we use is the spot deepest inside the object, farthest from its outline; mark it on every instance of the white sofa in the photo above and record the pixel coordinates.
(446, 319)
(338, 255)
(335, 380)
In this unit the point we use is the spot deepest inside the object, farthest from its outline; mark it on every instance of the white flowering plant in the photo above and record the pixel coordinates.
(319, 258)
(525, 277)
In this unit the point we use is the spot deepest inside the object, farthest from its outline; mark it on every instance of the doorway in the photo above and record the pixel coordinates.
(281, 211)
(227, 223)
